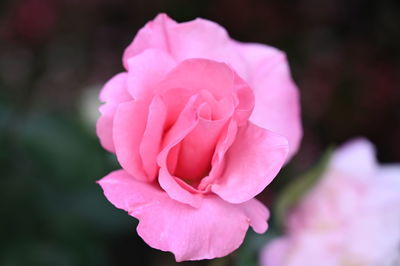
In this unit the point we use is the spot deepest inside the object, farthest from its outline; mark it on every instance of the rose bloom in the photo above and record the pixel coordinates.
(350, 218)
(200, 124)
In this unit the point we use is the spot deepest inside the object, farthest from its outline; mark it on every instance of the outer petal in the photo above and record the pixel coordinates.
(257, 213)
(146, 70)
(104, 126)
(152, 137)
(199, 38)
(129, 126)
(113, 93)
(115, 90)
(252, 162)
(202, 38)
(153, 35)
(213, 230)
(277, 105)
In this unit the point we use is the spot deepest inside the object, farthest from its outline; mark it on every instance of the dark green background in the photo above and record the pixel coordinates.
(344, 56)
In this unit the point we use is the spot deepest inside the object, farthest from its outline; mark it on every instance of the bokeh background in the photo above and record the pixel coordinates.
(56, 54)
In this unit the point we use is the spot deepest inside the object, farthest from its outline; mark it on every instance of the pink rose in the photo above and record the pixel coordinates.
(200, 124)
(351, 217)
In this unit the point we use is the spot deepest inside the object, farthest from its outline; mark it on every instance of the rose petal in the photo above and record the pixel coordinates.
(146, 70)
(115, 90)
(152, 136)
(153, 35)
(187, 120)
(199, 38)
(196, 75)
(104, 126)
(218, 163)
(197, 149)
(252, 162)
(175, 101)
(277, 99)
(257, 213)
(177, 191)
(113, 93)
(129, 125)
(245, 104)
(215, 229)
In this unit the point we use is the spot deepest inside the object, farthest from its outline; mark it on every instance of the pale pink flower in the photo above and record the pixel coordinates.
(351, 217)
(200, 124)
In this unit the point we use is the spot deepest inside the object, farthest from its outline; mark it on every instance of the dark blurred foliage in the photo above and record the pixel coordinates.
(344, 56)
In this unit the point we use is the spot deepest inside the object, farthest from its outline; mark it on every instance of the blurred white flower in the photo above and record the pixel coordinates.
(350, 218)
(89, 105)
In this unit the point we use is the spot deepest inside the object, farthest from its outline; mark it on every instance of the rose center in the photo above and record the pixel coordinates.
(191, 159)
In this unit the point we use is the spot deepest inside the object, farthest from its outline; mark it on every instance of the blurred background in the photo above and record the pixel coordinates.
(56, 54)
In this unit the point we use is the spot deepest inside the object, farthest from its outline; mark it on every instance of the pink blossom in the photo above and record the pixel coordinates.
(200, 124)
(351, 217)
